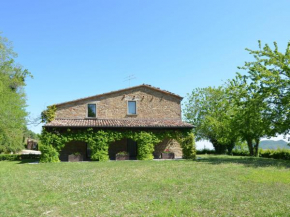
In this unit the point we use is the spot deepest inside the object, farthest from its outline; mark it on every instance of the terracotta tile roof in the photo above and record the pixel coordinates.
(130, 88)
(116, 123)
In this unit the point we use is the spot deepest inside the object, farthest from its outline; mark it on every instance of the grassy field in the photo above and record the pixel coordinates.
(211, 186)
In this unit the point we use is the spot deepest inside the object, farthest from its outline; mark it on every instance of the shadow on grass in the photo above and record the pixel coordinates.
(246, 161)
(25, 161)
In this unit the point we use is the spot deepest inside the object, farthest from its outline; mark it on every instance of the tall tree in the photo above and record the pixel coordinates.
(271, 71)
(252, 119)
(12, 99)
(210, 111)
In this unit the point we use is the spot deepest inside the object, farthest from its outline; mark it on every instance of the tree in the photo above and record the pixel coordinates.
(252, 119)
(210, 111)
(12, 99)
(30, 134)
(262, 96)
(271, 72)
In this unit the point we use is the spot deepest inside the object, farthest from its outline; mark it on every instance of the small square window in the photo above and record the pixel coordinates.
(92, 111)
(132, 108)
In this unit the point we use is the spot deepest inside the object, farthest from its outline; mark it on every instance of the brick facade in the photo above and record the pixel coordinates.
(150, 104)
(156, 109)
(170, 144)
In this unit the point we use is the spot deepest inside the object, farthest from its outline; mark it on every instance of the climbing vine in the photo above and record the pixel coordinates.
(48, 115)
(53, 141)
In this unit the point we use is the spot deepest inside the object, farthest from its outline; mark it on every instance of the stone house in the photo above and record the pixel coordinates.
(142, 107)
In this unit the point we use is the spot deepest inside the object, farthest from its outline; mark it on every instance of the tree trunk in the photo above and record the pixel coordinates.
(219, 148)
(230, 147)
(250, 146)
(256, 147)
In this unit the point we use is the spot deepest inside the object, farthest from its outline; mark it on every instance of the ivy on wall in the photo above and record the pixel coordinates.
(48, 115)
(53, 141)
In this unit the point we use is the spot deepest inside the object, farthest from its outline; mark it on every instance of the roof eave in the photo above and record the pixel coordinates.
(112, 92)
(112, 127)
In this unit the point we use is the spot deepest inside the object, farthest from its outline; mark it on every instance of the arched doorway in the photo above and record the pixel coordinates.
(75, 147)
(124, 144)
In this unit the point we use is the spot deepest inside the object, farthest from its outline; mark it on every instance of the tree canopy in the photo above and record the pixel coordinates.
(271, 71)
(248, 107)
(12, 99)
(251, 121)
(210, 111)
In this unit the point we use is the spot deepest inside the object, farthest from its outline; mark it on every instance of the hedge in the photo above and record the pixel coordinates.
(206, 151)
(240, 153)
(17, 157)
(283, 154)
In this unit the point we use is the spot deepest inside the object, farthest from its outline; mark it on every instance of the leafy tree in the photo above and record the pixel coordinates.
(30, 134)
(12, 99)
(271, 72)
(251, 106)
(252, 119)
(210, 111)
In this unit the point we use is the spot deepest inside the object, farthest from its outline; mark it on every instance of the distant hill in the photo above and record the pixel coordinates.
(272, 144)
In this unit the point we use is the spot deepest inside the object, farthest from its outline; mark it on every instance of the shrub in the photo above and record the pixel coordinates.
(48, 154)
(276, 154)
(283, 154)
(17, 157)
(122, 153)
(146, 142)
(188, 147)
(206, 151)
(237, 152)
(100, 155)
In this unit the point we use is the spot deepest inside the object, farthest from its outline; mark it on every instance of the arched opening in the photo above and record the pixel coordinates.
(167, 144)
(74, 147)
(124, 144)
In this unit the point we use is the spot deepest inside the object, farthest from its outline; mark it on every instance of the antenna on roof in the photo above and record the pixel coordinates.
(129, 78)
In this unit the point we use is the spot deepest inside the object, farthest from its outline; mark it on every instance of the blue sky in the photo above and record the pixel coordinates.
(76, 49)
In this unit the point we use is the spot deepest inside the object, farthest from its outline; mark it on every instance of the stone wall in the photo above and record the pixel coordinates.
(150, 104)
(170, 144)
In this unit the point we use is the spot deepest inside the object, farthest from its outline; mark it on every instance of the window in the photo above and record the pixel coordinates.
(132, 108)
(92, 111)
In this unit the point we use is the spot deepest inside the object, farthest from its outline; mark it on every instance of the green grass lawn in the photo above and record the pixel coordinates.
(211, 186)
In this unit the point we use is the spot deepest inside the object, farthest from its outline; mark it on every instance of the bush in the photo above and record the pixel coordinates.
(48, 154)
(237, 152)
(283, 154)
(188, 147)
(17, 157)
(122, 153)
(205, 151)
